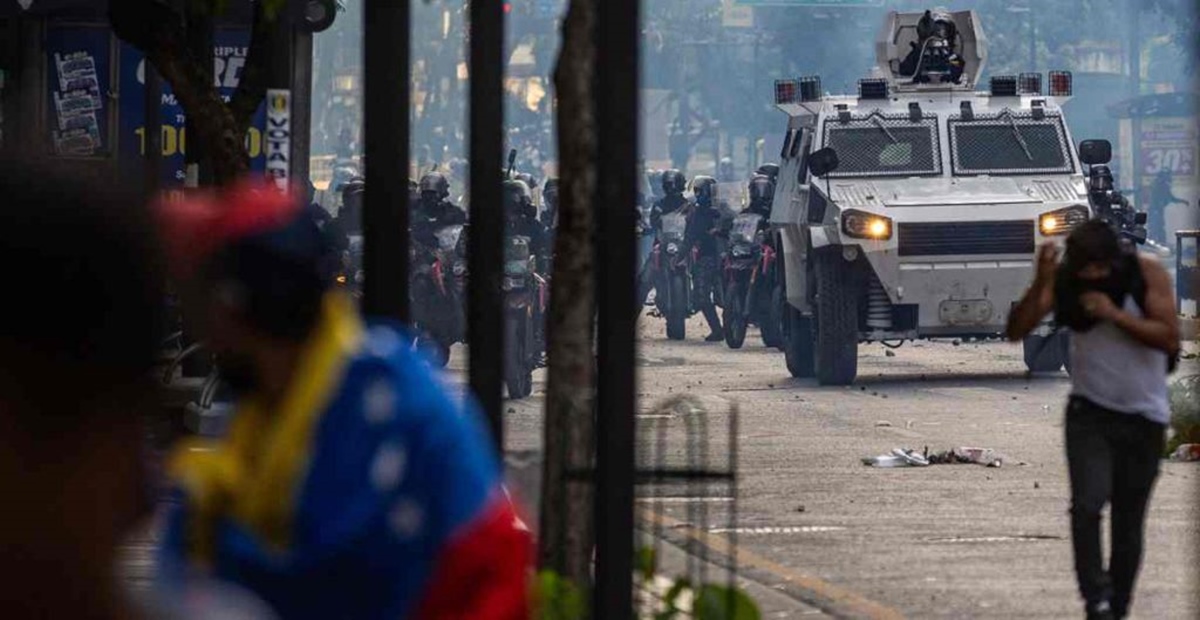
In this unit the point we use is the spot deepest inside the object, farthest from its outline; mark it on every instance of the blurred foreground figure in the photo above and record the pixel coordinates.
(351, 485)
(78, 341)
(1120, 309)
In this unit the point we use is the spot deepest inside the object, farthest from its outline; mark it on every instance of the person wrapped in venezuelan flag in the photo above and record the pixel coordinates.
(350, 484)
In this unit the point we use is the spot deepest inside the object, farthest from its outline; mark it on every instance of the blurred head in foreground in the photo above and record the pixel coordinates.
(79, 338)
(248, 261)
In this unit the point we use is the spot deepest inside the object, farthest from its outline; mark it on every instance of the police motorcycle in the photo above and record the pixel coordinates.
(436, 294)
(525, 299)
(752, 287)
(672, 261)
(346, 232)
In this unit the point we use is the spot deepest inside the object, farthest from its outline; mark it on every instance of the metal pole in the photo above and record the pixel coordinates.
(485, 241)
(385, 201)
(616, 92)
(1135, 91)
(301, 87)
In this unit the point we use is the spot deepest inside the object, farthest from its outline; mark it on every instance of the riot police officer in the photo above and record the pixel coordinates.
(762, 193)
(672, 183)
(769, 170)
(703, 227)
(521, 219)
(434, 210)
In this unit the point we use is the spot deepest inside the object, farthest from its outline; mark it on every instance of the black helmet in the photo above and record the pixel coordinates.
(1100, 178)
(528, 179)
(769, 170)
(761, 188)
(436, 183)
(937, 23)
(352, 187)
(705, 189)
(673, 182)
(517, 198)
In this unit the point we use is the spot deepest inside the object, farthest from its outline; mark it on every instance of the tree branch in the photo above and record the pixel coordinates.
(252, 88)
(158, 31)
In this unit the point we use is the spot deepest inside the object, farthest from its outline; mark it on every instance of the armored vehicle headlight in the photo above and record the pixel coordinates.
(862, 225)
(1061, 221)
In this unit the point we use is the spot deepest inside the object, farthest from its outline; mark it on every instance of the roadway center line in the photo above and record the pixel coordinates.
(832, 599)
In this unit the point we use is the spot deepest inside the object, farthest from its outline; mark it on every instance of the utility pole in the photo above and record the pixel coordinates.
(1135, 91)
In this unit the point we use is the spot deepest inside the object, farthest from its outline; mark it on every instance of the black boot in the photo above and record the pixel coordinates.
(714, 324)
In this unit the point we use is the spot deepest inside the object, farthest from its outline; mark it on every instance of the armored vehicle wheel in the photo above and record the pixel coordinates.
(772, 327)
(1046, 353)
(837, 320)
(734, 318)
(677, 308)
(798, 344)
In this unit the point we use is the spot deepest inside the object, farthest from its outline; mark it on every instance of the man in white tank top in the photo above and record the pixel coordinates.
(1120, 310)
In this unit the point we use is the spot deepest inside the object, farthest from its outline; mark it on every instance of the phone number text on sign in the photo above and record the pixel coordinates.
(1178, 161)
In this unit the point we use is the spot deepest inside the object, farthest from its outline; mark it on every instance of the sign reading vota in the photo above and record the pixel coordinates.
(278, 136)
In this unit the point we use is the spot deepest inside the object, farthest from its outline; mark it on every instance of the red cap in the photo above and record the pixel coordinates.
(203, 222)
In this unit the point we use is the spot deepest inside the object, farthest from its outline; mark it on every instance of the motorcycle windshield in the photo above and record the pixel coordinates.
(745, 229)
(674, 225)
(447, 237)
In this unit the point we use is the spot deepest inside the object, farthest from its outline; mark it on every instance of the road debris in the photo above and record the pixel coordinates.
(905, 457)
(889, 353)
(883, 423)
(1186, 452)
(977, 456)
(900, 457)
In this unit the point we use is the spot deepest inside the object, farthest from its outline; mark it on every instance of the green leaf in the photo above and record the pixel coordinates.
(717, 602)
(647, 562)
(559, 598)
(681, 584)
(271, 8)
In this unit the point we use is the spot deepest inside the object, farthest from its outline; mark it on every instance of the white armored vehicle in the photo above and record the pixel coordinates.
(914, 209)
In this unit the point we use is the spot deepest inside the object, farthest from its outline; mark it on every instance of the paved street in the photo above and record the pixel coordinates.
(949, 541)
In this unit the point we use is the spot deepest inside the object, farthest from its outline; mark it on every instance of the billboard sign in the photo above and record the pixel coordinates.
(229, 51)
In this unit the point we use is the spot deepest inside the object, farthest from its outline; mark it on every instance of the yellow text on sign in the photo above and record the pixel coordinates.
(174, 141)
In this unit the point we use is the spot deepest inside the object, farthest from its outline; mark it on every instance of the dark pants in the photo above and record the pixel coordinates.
(706, 277)
(1112, 457)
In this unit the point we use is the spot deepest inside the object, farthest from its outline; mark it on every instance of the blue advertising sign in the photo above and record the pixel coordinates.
(229, 50)
(79, 83)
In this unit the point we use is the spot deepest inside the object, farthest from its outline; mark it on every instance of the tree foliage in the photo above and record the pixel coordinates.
(164, 35)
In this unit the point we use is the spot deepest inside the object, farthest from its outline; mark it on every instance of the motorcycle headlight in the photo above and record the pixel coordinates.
(740, 250)
(1062, 221)
(341, 279)
(863, 225)
(359, 277)
(510, 284)
(672, 248)
(460, 268)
